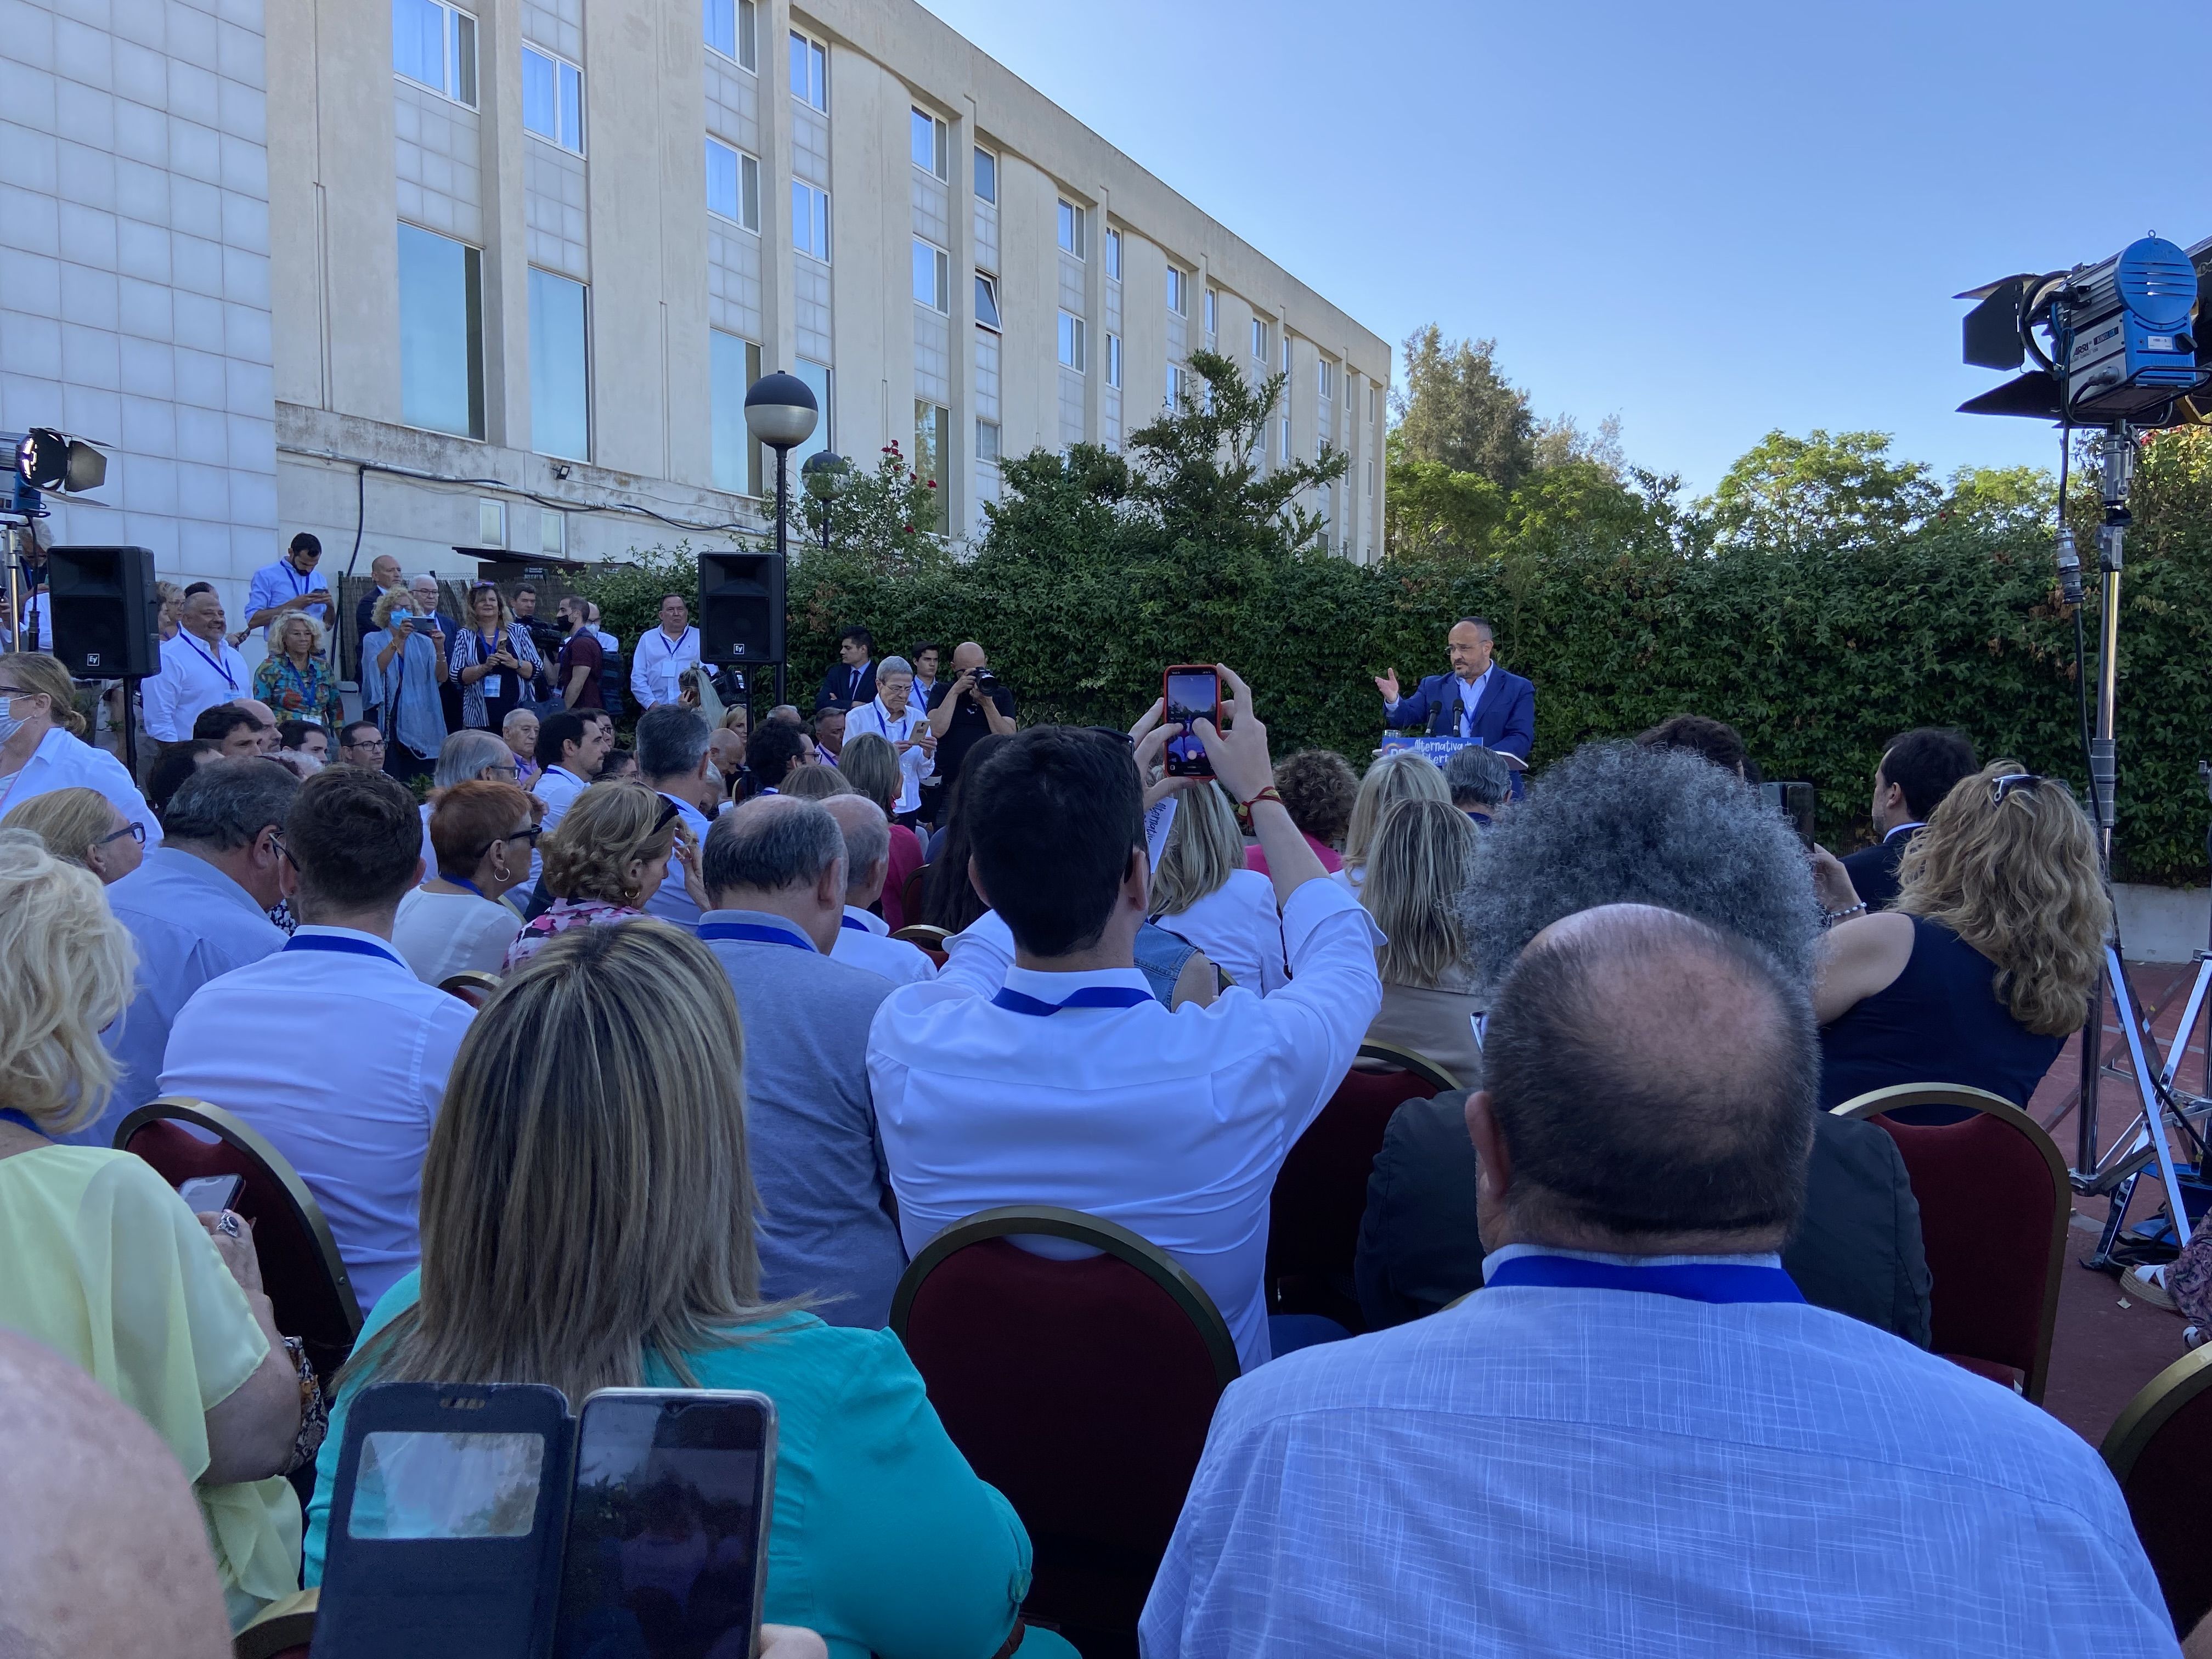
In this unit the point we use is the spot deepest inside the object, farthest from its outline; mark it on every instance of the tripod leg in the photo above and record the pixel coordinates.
(2122, 1194)
(2144, 1066)
(2093, 1058)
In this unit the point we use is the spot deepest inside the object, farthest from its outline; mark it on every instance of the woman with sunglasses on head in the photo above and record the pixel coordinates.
(615, 847)
(1982, 969)
(459, 919)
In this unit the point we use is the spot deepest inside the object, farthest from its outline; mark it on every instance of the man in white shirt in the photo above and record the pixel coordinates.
(662, 654)
(864, 940)
(671, 758)
(1071, 1084)
(199, 669)
(893, 715)
(330, 1047)
(288, 585)
(571, 744)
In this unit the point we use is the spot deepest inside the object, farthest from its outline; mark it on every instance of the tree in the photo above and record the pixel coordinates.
(1560, 440)
(1840, 491)
(883, 517)
(1459, 412)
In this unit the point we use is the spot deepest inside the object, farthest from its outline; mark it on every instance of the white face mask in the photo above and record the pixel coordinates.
(10, 722)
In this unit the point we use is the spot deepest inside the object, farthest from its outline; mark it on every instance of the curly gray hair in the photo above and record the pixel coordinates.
(1612, 823)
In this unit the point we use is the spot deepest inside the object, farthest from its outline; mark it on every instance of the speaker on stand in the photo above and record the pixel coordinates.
(106, 622)
(741, 611)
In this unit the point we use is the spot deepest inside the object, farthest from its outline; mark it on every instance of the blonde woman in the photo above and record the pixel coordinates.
(588, 1222)
(42, 746)
(609, 856)
(1983, 967)
(1400, 776)
(294, 679)
(1416, 862)
(1203, 893)
(494, 660)
(83, 827)
(104, 1264)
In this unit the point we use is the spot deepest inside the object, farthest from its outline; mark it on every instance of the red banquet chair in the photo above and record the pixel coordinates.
(301, 1268)
(1081, 1389)
(1313, 1219)
(1993, 1203)
(2159, 1450)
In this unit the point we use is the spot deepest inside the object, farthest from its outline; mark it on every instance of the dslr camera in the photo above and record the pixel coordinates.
(986, 681)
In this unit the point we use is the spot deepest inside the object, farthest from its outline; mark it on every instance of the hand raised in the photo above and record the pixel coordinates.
(1387, 684)
(1239, 754)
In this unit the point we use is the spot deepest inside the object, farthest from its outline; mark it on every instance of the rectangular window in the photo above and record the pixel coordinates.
(1175, 385)
(1326, 380)
(553, 534)
(1211, 298)
(1370, 409)
(1175, 301)
(491, 523)
(1371, 477)
(733, 365)
(1287, 354)
(927, 142)
(1113, 359)
(733, 30)
(987, 300)
(1072, 229)
(987, 175)
(1286, 438)
(824, 385)
(933, 440)
(1113, 254)
(732, 184)
(1071, 341)
(434, 45)
(810, 72)
(987, 439)
(810, 220)
(440, 333)
(560, 379)
(553, 99)
(1260, 339)
(932, 276)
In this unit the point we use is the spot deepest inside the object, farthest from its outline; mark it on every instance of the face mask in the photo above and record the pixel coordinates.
(10, 722)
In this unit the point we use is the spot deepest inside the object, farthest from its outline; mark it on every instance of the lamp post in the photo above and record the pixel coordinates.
(780, 412)
(824, 474)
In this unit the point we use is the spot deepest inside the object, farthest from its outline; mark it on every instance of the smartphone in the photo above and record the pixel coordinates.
(209, 1195)
(1188, 692)
(667, 1548)
(1795, 802)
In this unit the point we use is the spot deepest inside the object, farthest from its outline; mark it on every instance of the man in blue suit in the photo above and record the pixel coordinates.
(1477, 699)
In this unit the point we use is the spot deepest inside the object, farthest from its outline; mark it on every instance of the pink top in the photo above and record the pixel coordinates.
(564, 914)
(906, 859)
(1256, 860)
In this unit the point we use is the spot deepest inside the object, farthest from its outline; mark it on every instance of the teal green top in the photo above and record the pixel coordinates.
(882, 1538)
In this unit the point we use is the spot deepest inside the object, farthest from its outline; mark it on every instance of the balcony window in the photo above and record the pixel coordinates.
(440, 333)
(560, 379)
(734, 364)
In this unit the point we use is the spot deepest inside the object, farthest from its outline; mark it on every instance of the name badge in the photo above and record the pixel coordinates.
(493, 686)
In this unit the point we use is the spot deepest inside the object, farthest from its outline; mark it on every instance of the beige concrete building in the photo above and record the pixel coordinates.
(497, 275)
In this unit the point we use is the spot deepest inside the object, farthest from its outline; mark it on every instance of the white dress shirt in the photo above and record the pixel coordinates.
(865, 941)
(334, 1050)
(558, 788)
(914, 765)
(671, 903)
(442, 934)
(62, 762)
(659, 662)
(194, 676)
(1172, 1123)
(1238, 927)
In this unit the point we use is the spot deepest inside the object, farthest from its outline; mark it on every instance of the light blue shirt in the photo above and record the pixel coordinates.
(63, 762)
(1608, 1473)
(1470, 699)
(671, 903)
(408, 685)
(191, 924)
(273, 584)
(339, 1058)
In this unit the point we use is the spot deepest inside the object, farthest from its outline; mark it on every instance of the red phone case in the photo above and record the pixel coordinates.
(1198, 766)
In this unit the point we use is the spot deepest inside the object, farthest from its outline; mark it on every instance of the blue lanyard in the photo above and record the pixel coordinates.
(10, 1114)
(216, 663)
(352, 947)
(1090, 996)
(856, 927)
(754, 932)
(1692, 1281)
(462, 881)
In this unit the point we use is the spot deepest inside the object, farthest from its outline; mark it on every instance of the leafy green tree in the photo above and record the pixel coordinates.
(1790, 493)
(1459, 412)
(629, 591)
(882, 517)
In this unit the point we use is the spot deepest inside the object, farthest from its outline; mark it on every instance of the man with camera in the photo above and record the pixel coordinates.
(962, 710)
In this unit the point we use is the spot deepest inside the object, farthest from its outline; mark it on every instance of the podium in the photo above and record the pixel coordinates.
(1439, 750)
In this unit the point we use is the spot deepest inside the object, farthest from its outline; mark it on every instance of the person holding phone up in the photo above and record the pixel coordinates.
(493, 661)
(403, 669)
(290, 587)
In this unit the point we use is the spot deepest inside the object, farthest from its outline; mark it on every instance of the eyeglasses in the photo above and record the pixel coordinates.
(277, 842)
(2011, 783)
(530, 834)
(135, 831)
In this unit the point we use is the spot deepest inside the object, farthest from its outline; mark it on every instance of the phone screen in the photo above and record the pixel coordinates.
(1191, 693)
(667, 1527)
(205, 1195)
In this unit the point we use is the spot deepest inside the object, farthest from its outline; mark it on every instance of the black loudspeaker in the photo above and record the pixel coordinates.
(740, 608)
(107, 620)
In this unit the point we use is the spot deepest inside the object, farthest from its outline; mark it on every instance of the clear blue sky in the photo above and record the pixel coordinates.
(1709, 219)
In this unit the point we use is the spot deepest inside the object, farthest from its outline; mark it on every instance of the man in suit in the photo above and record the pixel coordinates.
(1918, 769)
(1476, 699)
(851, 680)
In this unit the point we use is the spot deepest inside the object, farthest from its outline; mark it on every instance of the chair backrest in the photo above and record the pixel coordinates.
(471, 985)
(911, 890)
(301, 1268)
(1082, 1390)
(1993, 1202)
(927, 935)
(2159, 1450)
(1321, 1193)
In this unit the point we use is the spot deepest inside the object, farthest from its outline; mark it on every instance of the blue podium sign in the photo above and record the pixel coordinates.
(1439, 751)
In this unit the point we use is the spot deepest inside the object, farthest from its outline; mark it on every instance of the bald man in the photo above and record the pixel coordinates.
(103, 1554)
(960, 710)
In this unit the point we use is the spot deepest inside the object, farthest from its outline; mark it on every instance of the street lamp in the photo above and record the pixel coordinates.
(780, 412)
(825, 475)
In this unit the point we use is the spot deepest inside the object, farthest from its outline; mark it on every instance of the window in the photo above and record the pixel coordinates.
(1260, 339)
(733, 30)
(927, 141)
(560, 383)
(1287, 354)
(1176, 280)
(1211, 298)
(732, 365)
(986, 440)
(1114, 360)
(932, 276)
(810, 220)
(810, 72)
(1286, 440)
(553, 534)
(933, 440)
(1370, 410)
(1071, 341)
(732, 184)
(1113, 254)
(986, 301)
(824, 385)
(1175, 385)
(491, 523)
(987, 175)
(435, 45)
(553, 99)
(440, 333)
(1371, 477)
(1071, 227)
(1325, 381)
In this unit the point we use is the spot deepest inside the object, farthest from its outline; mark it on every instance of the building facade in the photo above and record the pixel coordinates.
(496, 275)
